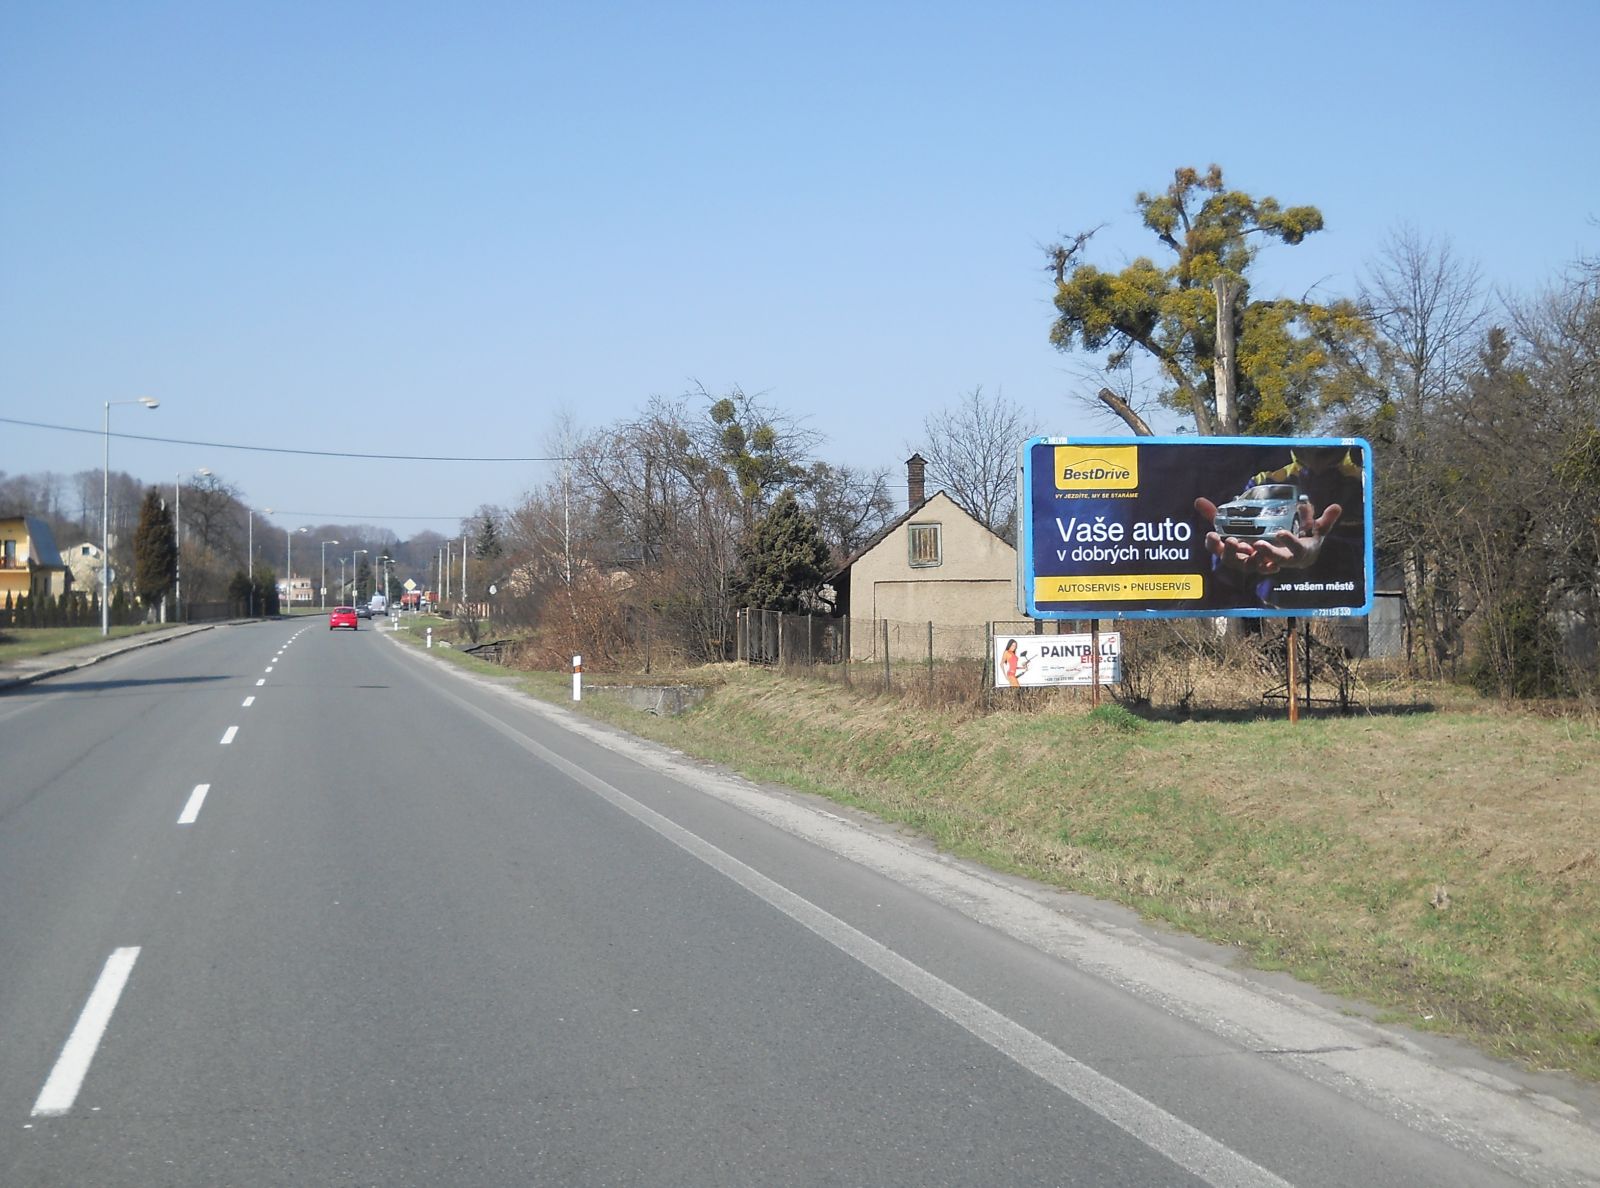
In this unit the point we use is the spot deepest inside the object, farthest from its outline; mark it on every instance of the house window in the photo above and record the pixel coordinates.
(925, 546)
(8, 555)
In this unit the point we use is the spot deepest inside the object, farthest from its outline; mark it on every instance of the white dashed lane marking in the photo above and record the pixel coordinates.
(192, 810)
(61, 1089)
(228, 736)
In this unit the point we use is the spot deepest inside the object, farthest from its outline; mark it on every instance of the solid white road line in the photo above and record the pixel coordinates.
(192, 809)
(61, 1089)
(248, 702)
(228, 737)
(1190, 1148)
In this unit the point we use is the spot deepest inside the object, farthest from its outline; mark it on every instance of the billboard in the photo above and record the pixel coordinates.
(1036, 661)
(1190, 527)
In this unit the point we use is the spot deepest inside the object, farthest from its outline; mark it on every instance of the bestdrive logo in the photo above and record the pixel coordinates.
(1097, 468)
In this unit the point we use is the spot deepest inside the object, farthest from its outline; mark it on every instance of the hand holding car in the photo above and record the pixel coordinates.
(1284, 548)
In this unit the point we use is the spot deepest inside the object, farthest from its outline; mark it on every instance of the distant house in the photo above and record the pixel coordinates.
(297, 591)
(83, 559)
(936, 564)
(29, 561)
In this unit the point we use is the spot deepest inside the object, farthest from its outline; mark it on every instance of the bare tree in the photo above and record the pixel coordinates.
(676, 490)
(1429, 315)
(211, 514)
(1506, 464)
(850, 506)
(971, 450)
(1562, 332)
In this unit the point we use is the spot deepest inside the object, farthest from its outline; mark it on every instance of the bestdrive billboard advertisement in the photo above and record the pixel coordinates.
(1164, 527)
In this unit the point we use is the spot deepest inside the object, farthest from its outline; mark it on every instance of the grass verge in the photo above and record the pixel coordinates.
(21, 643)
(1441, 864)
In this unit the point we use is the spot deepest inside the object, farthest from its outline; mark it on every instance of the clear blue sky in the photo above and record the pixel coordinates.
(422, 228)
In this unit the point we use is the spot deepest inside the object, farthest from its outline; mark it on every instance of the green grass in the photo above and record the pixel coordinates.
(21, 643)
(1439, 864)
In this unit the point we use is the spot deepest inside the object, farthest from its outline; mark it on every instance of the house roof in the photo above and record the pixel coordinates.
(888, 529)
(42, 551)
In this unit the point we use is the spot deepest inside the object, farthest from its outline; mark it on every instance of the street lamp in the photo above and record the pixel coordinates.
(324, 585)
(105, 513)
(250, 554)
(177, 569)
(354, 577)
(288, 565)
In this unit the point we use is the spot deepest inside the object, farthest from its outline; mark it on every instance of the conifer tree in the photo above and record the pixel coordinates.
(155, 550)
(784, 560)
(487, 547)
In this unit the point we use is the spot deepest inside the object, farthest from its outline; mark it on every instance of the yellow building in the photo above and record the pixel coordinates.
(29, 561)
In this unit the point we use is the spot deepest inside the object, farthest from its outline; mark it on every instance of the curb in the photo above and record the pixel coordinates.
(16, 681)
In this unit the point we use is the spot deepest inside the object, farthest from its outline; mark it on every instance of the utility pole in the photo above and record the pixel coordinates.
(250, 554)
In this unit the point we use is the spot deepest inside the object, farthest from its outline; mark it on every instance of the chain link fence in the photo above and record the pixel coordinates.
(1178, 664)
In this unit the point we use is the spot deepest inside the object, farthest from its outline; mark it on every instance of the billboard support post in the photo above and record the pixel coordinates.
(1308, 665)
(1292, 641)
(988, 650)
(1094, 661)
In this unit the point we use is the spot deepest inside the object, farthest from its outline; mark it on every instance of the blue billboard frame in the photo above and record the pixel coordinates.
(1126, 483)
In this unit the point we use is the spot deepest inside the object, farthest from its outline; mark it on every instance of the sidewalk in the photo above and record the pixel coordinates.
(16, 673)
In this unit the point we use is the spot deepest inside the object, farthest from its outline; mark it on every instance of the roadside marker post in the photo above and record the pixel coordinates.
(577, 678)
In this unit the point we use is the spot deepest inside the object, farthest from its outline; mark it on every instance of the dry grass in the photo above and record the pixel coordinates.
(1440, 862)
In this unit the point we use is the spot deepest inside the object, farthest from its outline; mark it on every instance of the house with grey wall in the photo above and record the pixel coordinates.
(936, 564)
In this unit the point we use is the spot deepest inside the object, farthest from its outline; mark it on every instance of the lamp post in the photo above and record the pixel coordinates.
(288, 565)
(355, 578)
(105, 513)
(266, 511)
(250, 556)
(324, 584)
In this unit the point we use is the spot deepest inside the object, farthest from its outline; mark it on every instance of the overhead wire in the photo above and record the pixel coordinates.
(223, 445)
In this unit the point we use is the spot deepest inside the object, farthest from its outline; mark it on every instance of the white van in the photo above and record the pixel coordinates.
(379, 605)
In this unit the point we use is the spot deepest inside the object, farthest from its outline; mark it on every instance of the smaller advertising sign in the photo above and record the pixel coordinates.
(1037, 661)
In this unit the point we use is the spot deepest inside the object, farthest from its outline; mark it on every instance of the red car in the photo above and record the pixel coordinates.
(342, 616)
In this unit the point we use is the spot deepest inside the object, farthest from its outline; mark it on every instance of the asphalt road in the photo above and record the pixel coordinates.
(286, 906)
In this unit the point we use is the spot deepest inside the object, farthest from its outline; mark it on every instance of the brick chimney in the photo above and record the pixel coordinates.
(916, 471)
